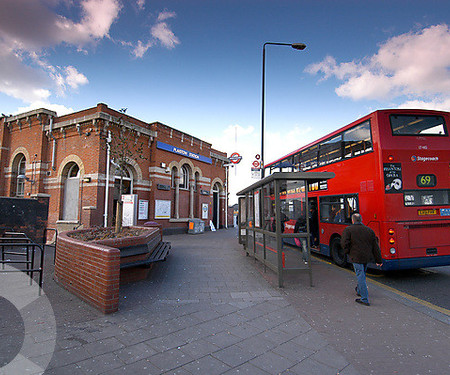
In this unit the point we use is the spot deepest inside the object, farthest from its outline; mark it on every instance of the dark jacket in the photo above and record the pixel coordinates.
(361, 245)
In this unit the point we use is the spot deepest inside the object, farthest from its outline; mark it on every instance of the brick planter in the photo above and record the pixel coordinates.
(91, 270)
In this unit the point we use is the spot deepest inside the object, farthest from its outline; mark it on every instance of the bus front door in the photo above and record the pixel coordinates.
(314, 222)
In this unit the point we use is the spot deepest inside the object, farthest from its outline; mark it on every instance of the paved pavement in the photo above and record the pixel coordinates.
(209, 310)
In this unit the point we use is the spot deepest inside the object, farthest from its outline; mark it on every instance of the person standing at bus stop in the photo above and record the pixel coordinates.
(361, 245)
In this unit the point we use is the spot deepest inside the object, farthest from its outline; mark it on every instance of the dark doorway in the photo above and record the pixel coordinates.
(314, 222)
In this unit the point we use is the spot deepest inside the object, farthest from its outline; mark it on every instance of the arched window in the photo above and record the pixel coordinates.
(174, 176)
(184, 184)
(73, 171)
(20, 174)
(125, 177)
(196, 181)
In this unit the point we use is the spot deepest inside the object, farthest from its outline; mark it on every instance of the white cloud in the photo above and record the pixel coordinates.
(140, 4)
(164, 35)
(166, 15)
(73, 78)
(140, 49)
(438, 104)
(97, 18)
(29, 27)
(416, 65)
(19, 80)
(61, 110)
(160, 32)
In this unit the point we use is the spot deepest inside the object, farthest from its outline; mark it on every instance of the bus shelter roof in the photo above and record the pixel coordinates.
(307, 176)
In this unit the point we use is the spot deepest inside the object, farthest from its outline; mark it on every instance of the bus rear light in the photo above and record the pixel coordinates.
(392, 250)
(390, 158)
(391, 241)
(391, 232)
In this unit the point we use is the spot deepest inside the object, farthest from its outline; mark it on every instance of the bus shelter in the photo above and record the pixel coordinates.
(274, 220)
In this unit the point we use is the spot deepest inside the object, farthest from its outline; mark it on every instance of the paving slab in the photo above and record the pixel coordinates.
(210, 309)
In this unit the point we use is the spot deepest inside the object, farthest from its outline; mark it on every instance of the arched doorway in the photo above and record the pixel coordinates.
(71, 193)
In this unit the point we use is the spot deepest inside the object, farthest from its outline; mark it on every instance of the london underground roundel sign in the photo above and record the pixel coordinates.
(235, 158)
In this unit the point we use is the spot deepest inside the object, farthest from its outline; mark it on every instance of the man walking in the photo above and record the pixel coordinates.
(361, 245)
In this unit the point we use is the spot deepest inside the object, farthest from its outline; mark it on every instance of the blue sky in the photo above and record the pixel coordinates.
(196, 65)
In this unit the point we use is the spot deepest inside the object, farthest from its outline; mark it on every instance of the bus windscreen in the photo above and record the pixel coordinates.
(418, 125)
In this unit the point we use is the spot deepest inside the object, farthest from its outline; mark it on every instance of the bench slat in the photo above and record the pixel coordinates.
(159, 253)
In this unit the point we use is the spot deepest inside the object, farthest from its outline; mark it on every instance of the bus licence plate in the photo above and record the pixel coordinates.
(427, 212)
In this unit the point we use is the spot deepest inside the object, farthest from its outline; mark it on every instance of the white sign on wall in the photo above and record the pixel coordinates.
(204, 210)
(143, 209)
(162, 209)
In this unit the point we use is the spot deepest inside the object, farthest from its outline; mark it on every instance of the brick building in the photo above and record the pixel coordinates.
(71, 160)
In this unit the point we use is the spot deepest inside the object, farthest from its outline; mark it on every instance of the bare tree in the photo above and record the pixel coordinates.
(124, 147)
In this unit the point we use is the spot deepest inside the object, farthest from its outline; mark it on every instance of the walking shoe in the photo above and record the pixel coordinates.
(358, 300)
(357, 293)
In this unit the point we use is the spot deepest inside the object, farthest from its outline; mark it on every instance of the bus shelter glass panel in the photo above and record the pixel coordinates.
(269, 224)
(259, 237)
(250, 212)
(250, 223)
(242, 219)
(293, 206)
(268, 200)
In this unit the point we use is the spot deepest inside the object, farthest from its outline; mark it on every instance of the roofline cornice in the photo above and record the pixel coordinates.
(101, 116)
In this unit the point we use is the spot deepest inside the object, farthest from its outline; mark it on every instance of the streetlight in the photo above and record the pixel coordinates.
(298, 46)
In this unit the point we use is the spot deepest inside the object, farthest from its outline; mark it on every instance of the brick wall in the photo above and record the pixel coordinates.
(75, 140)
(91, 270)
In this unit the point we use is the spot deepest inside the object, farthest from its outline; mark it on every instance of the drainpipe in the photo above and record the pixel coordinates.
(108, 161)
(54, 144)
(226, 195)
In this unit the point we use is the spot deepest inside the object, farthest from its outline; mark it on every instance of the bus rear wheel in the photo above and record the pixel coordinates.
(337, 252)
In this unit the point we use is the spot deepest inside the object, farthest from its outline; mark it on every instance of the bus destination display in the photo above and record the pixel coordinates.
(426, 180)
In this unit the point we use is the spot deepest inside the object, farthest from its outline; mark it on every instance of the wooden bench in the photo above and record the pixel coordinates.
(144, 255)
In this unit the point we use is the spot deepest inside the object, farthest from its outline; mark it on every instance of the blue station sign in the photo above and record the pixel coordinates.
(182, 152)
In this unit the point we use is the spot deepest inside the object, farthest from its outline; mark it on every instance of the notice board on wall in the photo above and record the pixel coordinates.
(162, 209)
(143, 209)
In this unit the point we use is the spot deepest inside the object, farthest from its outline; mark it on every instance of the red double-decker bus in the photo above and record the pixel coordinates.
(393, 167)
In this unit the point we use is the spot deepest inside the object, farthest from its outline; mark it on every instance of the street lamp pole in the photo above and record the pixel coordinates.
(297, 46)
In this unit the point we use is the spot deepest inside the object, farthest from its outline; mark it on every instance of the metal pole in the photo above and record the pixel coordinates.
(262, 109)
(298, 46)
(278, 233)
(108, 158)
(226, 196)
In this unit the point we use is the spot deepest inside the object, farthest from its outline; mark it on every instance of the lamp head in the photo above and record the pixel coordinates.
(299, 46)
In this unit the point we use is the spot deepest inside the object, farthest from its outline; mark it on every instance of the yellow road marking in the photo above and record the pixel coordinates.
(412, 298)
(396, 291)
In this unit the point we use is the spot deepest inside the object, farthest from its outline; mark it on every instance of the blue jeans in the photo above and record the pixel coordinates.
(360, 270)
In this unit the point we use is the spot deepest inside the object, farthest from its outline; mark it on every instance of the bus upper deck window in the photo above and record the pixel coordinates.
(418, 125)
